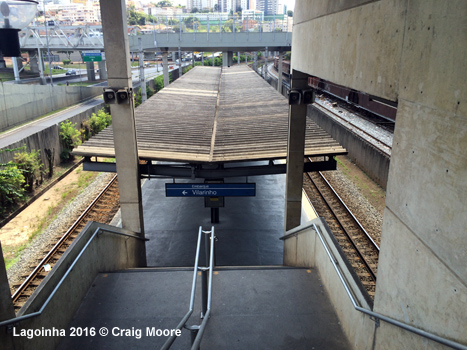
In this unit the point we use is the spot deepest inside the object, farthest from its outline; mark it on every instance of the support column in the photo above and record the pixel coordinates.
(295, 154)
(142, 79)
(7, 311)
(15, 68)
(238, 57)
(279, 80)
(41, 67)
(180, 68)
(115, 30)
(227, 58)
(33, 63)
(102, 70)
(2, 61)
(213, 58)
(91, 72)
(255, 61)
(165, 68)
(265, 67)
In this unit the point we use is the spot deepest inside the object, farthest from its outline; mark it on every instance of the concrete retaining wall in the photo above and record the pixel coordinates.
(107, 252)
(304, 248)
(374, 163)
(48, 139)
(20, 104)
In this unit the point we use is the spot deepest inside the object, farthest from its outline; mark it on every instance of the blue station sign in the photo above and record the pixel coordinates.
(210, 190)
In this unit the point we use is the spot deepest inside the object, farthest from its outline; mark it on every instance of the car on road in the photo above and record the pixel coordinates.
(71, 72)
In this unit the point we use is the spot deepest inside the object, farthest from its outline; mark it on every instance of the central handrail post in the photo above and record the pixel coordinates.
(204, 292)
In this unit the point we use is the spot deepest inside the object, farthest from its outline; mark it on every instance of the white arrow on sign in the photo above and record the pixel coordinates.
(184, 192)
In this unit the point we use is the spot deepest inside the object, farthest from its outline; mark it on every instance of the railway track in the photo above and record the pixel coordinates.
(360, 248)
(384, 147)
(102, 209)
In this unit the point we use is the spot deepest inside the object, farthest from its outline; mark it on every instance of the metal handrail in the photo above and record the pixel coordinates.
(198, 329)
(41, 310)
(378, 316)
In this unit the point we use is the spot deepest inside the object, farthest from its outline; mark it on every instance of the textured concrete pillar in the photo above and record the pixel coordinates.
(2, 61)
(165, 68)
(90, 70)
(7, 310)
(15, 68)
(279, 73)
(123, 120)
(33, 62)
(295, 154)
(102, 70)
(227, 58)
(142, 79)
(180, 63)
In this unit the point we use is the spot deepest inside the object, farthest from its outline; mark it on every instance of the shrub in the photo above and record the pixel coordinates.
(30, 164)
(159, 82)
(149, 91)
(66, 62)
(11, 186)
(95, 124)
(70, 138)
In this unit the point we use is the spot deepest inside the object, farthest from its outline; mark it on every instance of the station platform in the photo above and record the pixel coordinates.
(248, 231)
(257, 302)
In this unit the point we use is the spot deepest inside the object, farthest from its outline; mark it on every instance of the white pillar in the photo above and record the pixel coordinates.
(165, 68)
(144, 95)
(295, 154)
(279, 80)
(180, 68)
(115, 30)
(102, 70)
(15, 68)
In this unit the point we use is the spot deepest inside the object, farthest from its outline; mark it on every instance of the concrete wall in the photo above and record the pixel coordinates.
(107, 252)
(23, 103)
(412, 52)
(304, 248)
(48, 138)
(374, 163)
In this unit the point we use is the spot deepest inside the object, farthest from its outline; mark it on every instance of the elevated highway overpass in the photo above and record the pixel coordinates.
(82, 40)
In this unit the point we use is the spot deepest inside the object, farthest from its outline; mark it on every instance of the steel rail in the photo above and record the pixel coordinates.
(201, 328)
(349, 211)
(63, 239)
(341, 225)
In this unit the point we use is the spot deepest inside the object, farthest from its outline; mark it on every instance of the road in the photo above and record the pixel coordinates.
(10, 137)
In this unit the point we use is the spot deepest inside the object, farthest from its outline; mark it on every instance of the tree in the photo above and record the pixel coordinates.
(239, 9)
(30, 164)
(164, 3)
(290, 13)
(216, 7)
(191, 23)
(194, 10)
